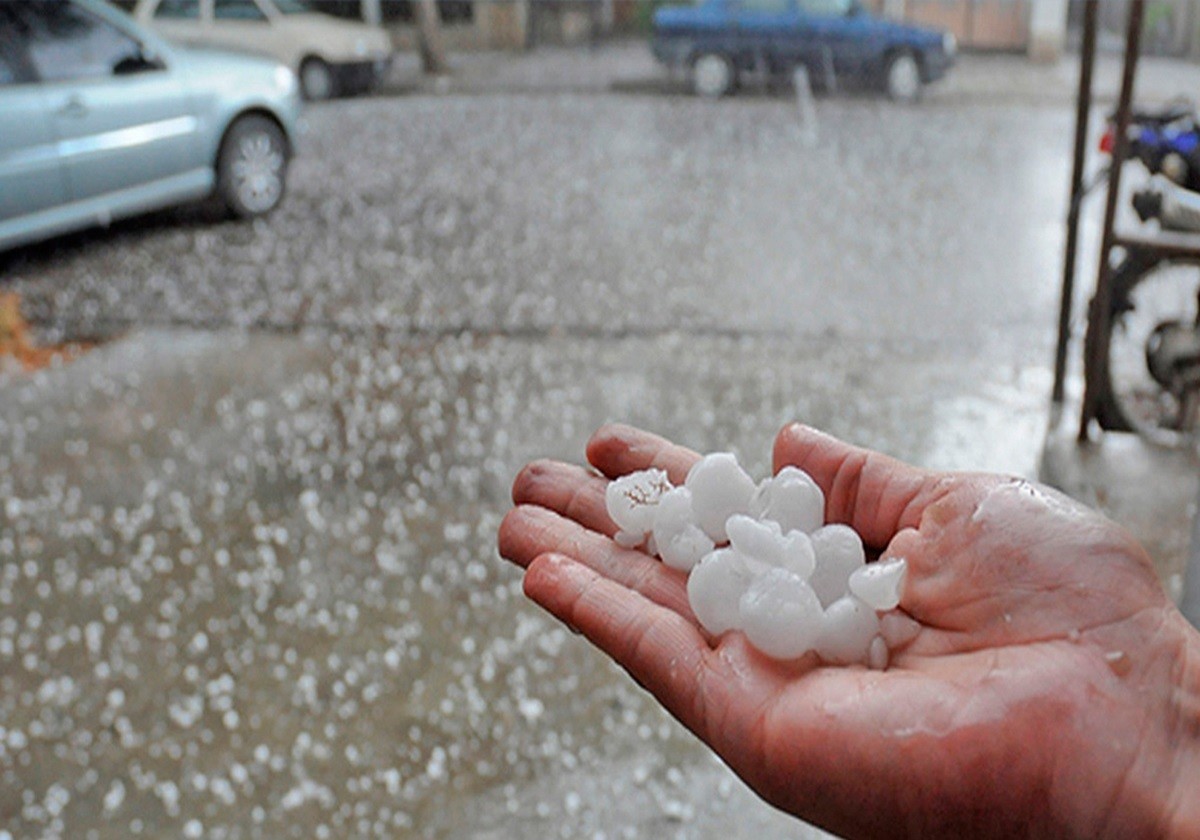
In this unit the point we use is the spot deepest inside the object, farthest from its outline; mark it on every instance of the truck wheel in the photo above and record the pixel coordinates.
(902, 77)
(713, 75)
(252, 167)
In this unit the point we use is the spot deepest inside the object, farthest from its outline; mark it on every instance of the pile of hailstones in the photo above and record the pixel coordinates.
(761, 560)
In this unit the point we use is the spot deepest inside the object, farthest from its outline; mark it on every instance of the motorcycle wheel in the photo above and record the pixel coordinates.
(1145, 301)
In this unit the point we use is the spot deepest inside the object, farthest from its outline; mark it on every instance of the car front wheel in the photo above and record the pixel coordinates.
(902, 77)
(712, 75)
(316, 80)
(252, 167)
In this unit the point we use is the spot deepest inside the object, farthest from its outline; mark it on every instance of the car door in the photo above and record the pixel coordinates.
(766, 31)
(31, 175)
(122, 121)
(837, 34)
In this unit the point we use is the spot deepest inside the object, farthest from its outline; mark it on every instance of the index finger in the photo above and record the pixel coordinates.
(616, 450)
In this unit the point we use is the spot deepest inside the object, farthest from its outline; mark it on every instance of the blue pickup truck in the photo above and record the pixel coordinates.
(719, 40)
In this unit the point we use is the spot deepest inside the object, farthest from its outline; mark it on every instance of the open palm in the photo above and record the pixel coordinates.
(1051, 689)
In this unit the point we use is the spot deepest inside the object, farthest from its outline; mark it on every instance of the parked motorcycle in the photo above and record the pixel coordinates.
(1152, 370)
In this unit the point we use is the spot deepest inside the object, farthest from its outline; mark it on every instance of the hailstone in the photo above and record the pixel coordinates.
(780, 615)
(720, 488)
(790, 583)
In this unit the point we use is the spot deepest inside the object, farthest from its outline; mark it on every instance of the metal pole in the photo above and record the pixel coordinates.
(1099, 317)
(372, 12)
(1083, 108)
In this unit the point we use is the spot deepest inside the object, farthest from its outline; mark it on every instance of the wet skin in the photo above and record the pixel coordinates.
(1053, 689)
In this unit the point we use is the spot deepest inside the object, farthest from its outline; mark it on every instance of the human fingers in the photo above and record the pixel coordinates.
(616, 449)
(529, 531)
(664, 652)
(570, 490)
(873, 493)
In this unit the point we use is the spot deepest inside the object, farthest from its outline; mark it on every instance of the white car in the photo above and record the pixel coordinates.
(331, 56)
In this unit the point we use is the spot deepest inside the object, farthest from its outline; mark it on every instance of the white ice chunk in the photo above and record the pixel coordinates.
(631, 499)
(760, 541)
(839, 553)
(677, 538)
(686, 549)
(673, 514)
(780, 615)
(715, 587)
(898, 628)
(877, 654)
(625, 539)
(798, 554)
(720, 488)
(879, 584)
(792, 499)
(847, 629)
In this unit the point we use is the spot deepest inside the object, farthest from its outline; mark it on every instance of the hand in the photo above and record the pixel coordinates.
(1052, 690)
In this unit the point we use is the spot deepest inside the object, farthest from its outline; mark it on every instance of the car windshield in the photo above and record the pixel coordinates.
(834, 8)
(293, 7)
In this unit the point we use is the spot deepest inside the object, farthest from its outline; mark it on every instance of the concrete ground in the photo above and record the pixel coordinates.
(1149, 489)
(247, 560)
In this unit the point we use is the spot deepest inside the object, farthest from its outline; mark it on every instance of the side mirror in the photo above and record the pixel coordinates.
(138, 62)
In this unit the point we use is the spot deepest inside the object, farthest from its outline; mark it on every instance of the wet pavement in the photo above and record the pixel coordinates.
(247, 566)
(607, 215)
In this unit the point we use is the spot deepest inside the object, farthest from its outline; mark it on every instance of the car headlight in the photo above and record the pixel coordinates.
(285, 79)
(949, 43)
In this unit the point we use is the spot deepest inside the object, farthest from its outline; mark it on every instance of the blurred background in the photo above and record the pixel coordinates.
(290, 291)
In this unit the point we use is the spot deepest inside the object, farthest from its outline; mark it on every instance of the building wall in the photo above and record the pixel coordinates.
(493, 25)
(1037, 27)
(977, 24)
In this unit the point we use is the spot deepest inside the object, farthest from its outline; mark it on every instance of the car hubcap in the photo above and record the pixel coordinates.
(712, 75)
(904, 79)
(258, 172)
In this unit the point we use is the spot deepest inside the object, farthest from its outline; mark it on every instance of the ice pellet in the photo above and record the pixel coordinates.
(839, 552)
(792, 499)
(780, 615)
(898, 628)
(788, 582)
(625, 539)
(673, 514)
(879, 584)
(877, 654)
(798, 554)
(720, 488)
(631, 500)
(760, 541)
(847, 629)
(679, 541)
(715, 588)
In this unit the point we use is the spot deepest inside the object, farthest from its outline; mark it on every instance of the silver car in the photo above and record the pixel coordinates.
(100, 119)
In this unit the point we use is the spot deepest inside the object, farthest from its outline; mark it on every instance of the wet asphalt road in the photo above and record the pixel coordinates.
(609, 214)
(248, 577)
